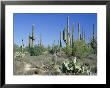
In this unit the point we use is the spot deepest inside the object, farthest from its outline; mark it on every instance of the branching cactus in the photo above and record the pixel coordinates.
(31, 38)
(67, 38)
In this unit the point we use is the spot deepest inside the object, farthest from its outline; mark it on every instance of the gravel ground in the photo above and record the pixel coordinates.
(43, 64)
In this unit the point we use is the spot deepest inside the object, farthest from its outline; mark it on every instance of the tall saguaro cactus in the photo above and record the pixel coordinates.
(68, 25)
(66, 33)
(67, 37)
(33, 37)
(79, 31)
(93, 33)
(73, 39)
(93, 40)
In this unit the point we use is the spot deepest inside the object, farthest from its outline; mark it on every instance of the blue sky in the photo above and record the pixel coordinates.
(49, 26)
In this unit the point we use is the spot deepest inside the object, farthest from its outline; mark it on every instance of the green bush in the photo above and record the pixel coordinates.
(81, 49)
(37, 50)
(68, 50)
(17, 48)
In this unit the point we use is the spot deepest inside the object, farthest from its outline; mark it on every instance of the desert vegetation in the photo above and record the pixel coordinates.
(76, 57)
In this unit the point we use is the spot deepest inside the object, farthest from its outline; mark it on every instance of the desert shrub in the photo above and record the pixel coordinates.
(37, 50)
(67, 50)
(49, 48)
(81, 49)
(32, 51)
(17, 48)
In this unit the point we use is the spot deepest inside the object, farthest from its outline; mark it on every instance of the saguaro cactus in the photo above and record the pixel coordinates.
(68, 31)
(33, 37)
(93, 40)
(60, 39)
(82, 34)
(78, 31)
(22, 46)
(53, 47)
(29, 41)
(73, 39)
(93, 33)
(67, 37)
(80, 37)
(64, 35)
(68, 24)
(40, 40)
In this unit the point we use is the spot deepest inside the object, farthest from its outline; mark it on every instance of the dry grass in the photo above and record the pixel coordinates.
(45, 65)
